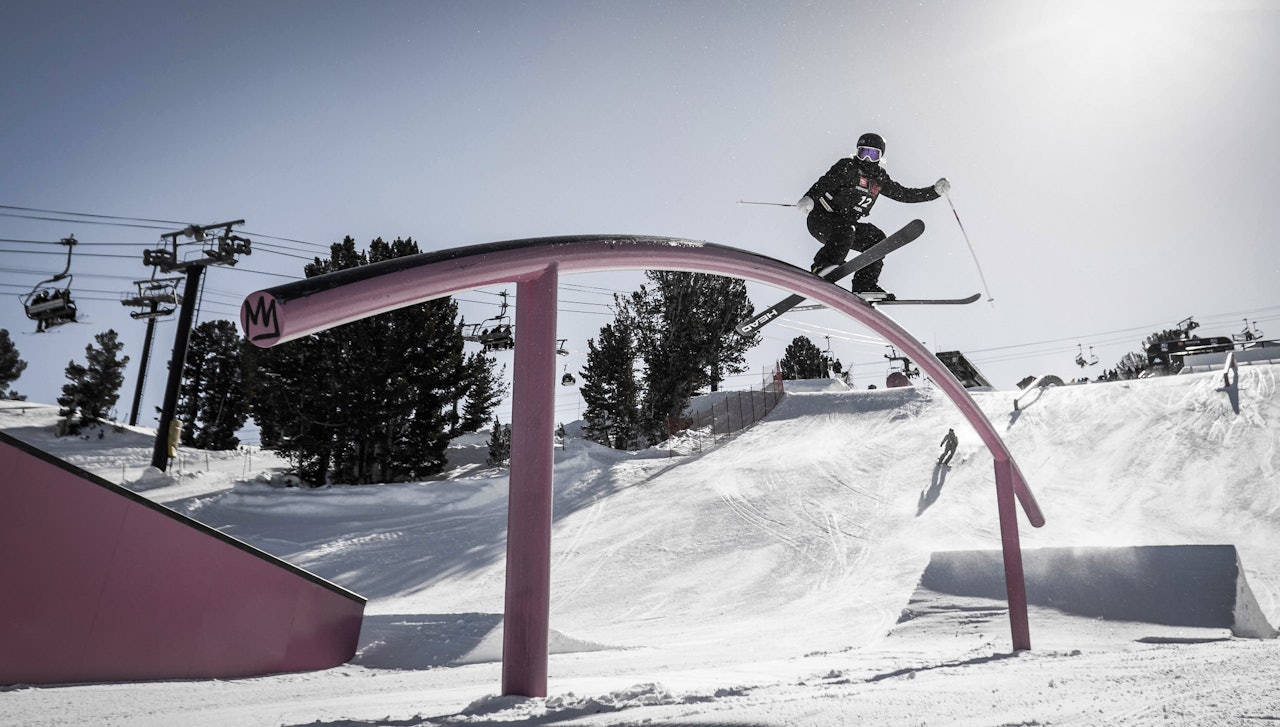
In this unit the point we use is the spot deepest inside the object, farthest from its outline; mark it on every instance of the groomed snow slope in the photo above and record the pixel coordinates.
(742, 583)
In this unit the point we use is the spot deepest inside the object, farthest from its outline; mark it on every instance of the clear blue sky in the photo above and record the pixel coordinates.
(1113, 162)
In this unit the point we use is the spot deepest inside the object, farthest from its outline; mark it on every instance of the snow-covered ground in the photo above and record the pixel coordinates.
(761, 582)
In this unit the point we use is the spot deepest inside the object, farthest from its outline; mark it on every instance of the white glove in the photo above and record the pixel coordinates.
(805, 205)
(942, 186)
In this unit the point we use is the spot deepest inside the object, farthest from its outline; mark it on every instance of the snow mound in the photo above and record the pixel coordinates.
(792, 386)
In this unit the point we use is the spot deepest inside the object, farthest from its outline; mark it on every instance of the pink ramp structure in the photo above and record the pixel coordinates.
(284, 313)
(102, 585)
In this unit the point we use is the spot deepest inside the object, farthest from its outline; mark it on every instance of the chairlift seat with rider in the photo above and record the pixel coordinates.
(494, 334)
(901, 364)
(49, 303)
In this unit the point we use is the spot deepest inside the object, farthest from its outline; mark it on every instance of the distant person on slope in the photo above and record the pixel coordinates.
(837, 202)
(949, 444)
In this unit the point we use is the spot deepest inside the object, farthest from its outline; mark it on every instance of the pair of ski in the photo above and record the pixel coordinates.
(878, 251)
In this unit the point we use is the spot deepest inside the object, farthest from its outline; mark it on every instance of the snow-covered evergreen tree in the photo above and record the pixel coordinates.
(93, 387)
(11, 366)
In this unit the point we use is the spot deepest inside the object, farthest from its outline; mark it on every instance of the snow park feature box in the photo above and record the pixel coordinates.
(102, 584)
(1200, 586)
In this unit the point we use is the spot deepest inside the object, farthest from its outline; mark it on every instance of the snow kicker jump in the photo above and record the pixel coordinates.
(287, 312)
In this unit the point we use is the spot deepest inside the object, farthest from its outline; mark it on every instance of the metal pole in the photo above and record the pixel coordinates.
(528, 590)
(160, 454)
(142, 366)
(767, 204)
(1014, 582)
(970, 244)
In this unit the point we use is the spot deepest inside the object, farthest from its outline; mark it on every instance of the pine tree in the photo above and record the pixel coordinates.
(803, 360)
(378, 399)
(610, 390)
(684, 328)
(499, 444)
(11, 367)
(213, 401)
(95, 386)
(484, 386)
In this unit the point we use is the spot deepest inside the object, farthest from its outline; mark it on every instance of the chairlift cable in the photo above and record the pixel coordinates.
(81, 222)
(85, 214)
(83, 254)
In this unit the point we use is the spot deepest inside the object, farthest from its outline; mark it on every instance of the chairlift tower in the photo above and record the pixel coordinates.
(220, 248)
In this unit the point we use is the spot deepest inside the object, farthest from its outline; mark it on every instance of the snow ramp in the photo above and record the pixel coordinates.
(1200, 586)
(101, 584)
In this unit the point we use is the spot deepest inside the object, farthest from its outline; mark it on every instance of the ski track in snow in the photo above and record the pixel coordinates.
(758, 582)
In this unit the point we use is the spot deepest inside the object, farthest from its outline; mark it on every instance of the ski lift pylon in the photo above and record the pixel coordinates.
(49, 303)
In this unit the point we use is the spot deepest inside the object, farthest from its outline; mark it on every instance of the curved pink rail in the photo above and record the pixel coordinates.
(290, 311)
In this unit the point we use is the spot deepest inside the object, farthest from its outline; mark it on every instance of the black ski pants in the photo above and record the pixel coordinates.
(839, 235)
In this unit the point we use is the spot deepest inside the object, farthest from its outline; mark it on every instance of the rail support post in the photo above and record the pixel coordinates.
(1015, 584)
(528, 590)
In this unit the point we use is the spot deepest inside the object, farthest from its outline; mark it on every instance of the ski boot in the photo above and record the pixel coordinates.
(822, 269)
(873, 293)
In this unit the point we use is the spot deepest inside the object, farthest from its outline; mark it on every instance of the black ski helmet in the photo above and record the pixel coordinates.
(870, 139)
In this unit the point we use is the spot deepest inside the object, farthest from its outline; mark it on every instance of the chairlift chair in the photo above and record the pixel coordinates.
(157, 298)
(49, 303)
(900, 364)
(830, 359)
(567, 379)
(1250, 332)
(1187, 325)
(1081, 361)
(498, 336)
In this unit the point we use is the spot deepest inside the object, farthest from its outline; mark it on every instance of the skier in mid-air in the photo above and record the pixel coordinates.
(838, 201)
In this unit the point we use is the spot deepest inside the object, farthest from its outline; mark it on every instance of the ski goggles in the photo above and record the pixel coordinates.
(870, 153)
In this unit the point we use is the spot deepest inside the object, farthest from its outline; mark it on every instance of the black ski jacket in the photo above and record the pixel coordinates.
(851, 187)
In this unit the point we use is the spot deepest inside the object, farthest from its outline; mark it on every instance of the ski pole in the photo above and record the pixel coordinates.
(770, 204)
(970, 244)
